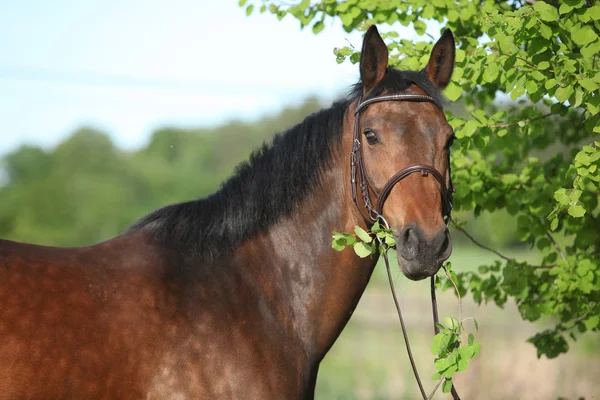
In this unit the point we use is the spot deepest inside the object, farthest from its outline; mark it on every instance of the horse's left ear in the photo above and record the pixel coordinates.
(441, 62)
(373, 59)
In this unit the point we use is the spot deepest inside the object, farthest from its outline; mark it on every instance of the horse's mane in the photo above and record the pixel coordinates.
(270, 185)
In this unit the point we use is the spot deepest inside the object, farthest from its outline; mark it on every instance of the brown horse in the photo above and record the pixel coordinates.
(237, 295)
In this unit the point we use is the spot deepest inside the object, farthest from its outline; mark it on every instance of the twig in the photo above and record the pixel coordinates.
(532, 65)
(460, 318)
(518, 122)
(437, 385)
(557, 247)
(467, 234)
(549, 266)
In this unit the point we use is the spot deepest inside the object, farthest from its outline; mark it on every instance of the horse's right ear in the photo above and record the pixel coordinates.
(373, 59)
(441, 62)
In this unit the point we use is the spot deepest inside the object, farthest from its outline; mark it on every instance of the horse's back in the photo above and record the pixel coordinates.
(75, 322)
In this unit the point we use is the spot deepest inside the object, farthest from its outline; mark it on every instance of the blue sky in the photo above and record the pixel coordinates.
(128, 67)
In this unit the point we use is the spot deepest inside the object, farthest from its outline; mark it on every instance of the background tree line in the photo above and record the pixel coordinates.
(86, 190)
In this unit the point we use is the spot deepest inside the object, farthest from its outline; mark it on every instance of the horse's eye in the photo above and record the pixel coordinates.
(449, 142)
(371, 136)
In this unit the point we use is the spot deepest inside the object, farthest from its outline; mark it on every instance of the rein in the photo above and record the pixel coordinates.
(359, 176)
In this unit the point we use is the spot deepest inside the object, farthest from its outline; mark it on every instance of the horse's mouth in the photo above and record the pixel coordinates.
(416, 270)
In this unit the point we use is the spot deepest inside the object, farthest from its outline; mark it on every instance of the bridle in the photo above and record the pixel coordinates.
(359, 172)
(360, 177)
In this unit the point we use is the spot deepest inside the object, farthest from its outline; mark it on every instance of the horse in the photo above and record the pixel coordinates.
(239, 295)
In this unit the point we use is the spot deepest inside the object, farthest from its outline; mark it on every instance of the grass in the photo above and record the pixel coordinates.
(369, 361)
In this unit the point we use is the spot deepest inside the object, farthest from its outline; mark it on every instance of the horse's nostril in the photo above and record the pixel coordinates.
(408, 243)
(441, 242)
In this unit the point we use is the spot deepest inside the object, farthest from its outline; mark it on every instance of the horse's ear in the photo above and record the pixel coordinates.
(441, 62)
(373, 59)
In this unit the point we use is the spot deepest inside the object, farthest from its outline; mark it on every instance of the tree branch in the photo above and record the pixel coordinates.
(472, 239)
(557, 247)
(532, 65)
(467, 234)
(517, 123)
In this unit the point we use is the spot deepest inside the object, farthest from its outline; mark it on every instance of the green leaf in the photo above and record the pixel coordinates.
(452, 16)
(563, 93)
(543, 65)
(350, 240)
(466, 352)
(449, 372)
(453, 91)
(584, 35)
(242, 3)
(562, 197)
(441, 364)
(545, 31)
(376, 228)
(550, 83)
(546, 11)
(531, 86)
(554, 224)
(593, 12)
(249, 9)
(390, 240)
(318, 27)
(362, 234)
(588, 84)
(517, 92)
(420, 27)
(510, 179)
(447, 386)
(592, 322)
(471, 339)
(338, 244)
(591, 50)
(451, 322)
(491, 72)
(468, 129)
(476, 349)
(428, 11)
(362, 249)
(565, 8)
(463, 364)
(576, 211)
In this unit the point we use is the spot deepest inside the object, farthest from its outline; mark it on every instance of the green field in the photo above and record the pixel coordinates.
(369, 360)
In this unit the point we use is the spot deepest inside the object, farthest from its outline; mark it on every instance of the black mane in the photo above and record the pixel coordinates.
(271, 184)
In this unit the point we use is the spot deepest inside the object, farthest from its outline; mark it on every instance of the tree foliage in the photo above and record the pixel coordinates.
(536, 159)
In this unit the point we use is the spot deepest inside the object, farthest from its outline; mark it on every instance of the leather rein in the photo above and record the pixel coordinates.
(360, 178)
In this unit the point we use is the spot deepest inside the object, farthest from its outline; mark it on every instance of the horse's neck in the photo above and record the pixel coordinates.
(320, 286)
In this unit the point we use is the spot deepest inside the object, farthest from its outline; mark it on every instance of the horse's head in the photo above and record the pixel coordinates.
(397, 133)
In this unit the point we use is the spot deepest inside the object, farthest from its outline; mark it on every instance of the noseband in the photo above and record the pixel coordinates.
(359, 172)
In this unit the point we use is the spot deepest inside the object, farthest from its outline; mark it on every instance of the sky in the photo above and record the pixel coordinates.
(128, 67)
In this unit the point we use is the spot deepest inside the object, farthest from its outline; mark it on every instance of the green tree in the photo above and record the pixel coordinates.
(536, 160)
(86, 190)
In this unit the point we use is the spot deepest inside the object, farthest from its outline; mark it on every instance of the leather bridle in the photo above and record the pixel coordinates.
(360, 177)
(359, 173)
